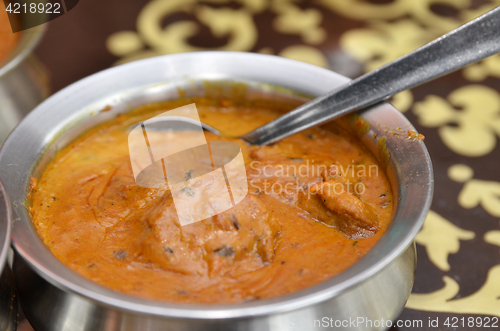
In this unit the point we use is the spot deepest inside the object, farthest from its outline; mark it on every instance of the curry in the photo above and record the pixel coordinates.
(89, 211)
(8, 39)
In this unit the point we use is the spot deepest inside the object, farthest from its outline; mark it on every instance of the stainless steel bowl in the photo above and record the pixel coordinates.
(23, 81)
(54, 297)
(8, 299)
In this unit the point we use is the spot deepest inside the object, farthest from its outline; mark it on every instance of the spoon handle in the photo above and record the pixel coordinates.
(469, 43)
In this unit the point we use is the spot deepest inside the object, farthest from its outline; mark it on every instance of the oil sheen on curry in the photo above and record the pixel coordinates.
(89, 211)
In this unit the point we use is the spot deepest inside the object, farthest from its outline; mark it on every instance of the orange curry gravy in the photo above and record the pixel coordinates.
(92, 215)
(8, 40)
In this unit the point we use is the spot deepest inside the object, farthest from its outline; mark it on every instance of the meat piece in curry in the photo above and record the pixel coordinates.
(317, 202)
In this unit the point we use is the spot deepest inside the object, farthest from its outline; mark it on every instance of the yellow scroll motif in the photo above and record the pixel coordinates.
(490, 67)
(441, 238)
(173, 39)
(238, 25)
(419, 10)
(400, 26)
(293, 20)
(476, 192)
(305, 54)
(478, 119)
(364, 10)
(384, 42)
(492, 237)
(485, 301)
(393, 29)
(302, 53)
(402, 100)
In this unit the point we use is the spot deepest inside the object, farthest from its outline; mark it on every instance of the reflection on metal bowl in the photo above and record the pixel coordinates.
(23, 81)
(8, 299)
(56, 298)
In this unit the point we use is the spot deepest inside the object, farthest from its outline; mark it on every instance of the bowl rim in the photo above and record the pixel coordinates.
(26, 44)
(57, 275)
(5, 226)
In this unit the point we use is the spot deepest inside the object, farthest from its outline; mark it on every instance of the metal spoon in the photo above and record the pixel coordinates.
(469, 43)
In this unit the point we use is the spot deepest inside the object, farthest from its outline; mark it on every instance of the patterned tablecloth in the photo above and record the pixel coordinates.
(458, 274)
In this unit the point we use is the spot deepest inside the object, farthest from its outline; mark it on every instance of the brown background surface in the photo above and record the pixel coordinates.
(74, 46)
